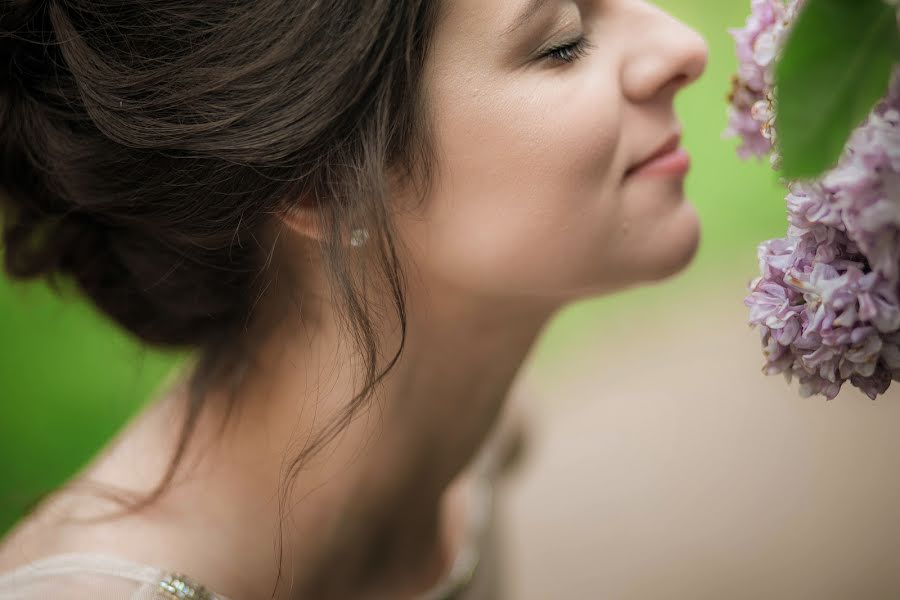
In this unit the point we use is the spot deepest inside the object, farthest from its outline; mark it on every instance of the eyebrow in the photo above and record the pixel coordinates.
(531, 9)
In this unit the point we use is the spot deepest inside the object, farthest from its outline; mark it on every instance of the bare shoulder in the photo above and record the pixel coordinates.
(33, 537)
(57, 524)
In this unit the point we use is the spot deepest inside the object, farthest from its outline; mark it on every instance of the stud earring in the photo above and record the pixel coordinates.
(358, 237)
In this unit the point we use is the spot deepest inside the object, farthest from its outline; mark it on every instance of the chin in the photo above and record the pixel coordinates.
(662, 252)
(679, 250)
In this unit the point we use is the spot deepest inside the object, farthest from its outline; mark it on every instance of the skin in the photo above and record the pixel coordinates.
(530, 210)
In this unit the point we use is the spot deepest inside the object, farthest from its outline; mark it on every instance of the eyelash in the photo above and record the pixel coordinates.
(568, 53)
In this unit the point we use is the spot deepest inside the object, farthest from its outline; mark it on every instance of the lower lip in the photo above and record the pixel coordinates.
(675, 163)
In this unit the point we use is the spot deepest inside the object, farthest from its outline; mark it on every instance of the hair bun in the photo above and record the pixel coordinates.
(37, 246)
(59, 219)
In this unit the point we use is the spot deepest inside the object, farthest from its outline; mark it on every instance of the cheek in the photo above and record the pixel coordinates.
(526, 195)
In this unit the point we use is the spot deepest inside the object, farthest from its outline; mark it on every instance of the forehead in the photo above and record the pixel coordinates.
(481, 15)
(501, 23)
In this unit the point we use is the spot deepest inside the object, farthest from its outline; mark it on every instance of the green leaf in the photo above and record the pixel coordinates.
(835, 66)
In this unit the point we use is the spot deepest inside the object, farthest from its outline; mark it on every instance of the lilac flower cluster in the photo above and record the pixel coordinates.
(827, 301)
(751, 116)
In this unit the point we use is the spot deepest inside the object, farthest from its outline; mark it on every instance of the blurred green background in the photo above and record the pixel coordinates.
(69, 380)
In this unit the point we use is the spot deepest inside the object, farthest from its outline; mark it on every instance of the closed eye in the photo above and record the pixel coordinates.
(569, 52)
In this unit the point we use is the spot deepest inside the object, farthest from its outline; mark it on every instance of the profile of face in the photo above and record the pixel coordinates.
(539, 110)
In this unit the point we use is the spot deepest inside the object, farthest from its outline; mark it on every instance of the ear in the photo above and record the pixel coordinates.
(302, 220)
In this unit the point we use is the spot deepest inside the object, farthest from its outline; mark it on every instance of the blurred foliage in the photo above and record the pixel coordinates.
(69, 380)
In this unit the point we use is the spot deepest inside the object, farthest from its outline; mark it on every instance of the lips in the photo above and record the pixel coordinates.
(670, 145)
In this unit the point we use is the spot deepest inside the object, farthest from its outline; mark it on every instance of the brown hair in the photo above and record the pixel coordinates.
(146, 147)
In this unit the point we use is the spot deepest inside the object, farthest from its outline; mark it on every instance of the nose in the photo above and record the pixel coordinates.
(664, 55)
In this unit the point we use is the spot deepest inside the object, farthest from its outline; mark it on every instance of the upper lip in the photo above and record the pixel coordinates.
(670, 145)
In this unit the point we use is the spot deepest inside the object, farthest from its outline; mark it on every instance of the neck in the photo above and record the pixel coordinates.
(366, 505)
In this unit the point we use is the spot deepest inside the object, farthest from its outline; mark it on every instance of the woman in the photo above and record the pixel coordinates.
(359, 216)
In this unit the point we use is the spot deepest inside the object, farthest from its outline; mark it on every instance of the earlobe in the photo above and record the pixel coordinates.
(302, 220)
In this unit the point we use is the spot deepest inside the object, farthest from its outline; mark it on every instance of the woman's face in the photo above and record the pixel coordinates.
(531, 197)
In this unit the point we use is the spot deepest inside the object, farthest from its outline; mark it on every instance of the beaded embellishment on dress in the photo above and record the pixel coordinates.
(179, 587)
